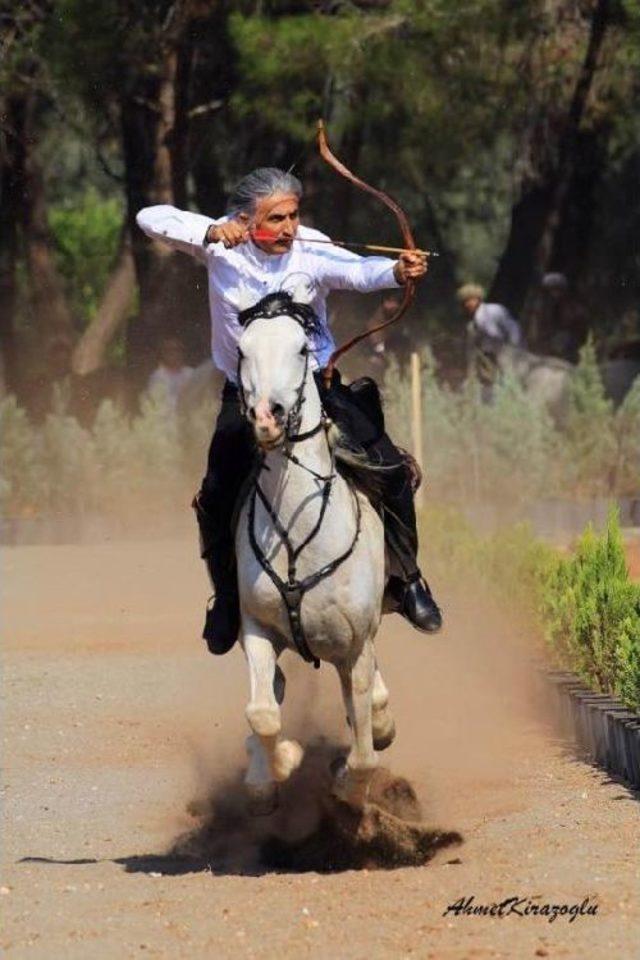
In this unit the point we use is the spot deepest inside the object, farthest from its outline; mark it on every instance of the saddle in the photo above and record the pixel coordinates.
(365, 395)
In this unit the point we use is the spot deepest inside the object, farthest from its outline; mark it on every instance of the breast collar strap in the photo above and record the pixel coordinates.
(292, 590)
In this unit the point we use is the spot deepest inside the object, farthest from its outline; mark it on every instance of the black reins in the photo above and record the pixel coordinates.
(293, 589)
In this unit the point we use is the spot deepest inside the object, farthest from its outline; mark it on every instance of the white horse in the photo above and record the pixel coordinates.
(547, 380)
(311, 563)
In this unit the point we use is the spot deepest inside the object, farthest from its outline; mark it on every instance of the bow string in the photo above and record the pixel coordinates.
(407, 236)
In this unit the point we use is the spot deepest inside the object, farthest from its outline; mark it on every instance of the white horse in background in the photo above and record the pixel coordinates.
(303, 523)
(546, 380)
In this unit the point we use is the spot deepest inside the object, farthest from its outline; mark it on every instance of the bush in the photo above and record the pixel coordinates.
(591, 610)
(589, 430)
(23, 480)
(475, 451)
(509, 450)
(68, 461)
(584, 603)
(625, 468)
(114, 454)
(155, 477)
(511, 562)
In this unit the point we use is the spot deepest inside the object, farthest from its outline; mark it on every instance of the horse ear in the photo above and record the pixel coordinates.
(300, 287)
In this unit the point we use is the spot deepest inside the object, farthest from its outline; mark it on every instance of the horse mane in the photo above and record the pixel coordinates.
(281, 304)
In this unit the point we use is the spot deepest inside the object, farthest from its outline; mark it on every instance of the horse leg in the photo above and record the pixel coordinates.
(383, 726)
(351, 783)
(271, 760)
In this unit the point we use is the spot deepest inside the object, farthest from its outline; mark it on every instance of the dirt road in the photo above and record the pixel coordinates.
(116, 719)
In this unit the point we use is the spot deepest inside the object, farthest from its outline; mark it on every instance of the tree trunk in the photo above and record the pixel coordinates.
(138, 138)
(115, 304)
(537, 218)
(568, 153)
(51, 313)
(10, 190)
(154, 135)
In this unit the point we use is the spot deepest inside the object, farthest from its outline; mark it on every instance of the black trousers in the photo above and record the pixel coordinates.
(358, 414)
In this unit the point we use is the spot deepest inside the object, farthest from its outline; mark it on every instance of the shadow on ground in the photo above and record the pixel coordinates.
(310, 830)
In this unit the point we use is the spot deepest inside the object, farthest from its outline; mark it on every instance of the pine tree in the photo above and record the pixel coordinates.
(590, 450)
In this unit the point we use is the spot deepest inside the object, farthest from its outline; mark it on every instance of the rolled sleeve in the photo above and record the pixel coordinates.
(339, 269)
(180, 229)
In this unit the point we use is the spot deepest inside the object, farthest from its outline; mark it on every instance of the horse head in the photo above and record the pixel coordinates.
(273, 365)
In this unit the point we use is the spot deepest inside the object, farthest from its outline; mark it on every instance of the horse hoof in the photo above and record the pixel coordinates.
(385, 739)
(350, 786)
(263, 800)
(287, 758)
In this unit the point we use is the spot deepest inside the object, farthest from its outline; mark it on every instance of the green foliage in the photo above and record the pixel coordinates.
(517, 564)
(67, 459)
(86, 236)
(126, 469)
(273, 57)
(585, 603)
(452, 108)
(511, 561)
(626, 430)
(589, 427)
(509, 450)
(114, 452)
(155, 470)
(473, 451)
(592, 614)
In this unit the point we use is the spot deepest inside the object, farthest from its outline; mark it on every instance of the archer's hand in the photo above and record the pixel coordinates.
(232, 233)
(411, 265)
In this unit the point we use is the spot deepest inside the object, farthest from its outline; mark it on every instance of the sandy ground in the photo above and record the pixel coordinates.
(115, 719)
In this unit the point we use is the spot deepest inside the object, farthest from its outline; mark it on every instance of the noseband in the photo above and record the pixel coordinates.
(293, 589)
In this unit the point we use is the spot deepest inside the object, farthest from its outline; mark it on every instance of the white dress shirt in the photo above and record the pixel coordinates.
(494, 321)
(241, 276)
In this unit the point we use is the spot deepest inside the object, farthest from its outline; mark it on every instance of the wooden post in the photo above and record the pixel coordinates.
(416, 420)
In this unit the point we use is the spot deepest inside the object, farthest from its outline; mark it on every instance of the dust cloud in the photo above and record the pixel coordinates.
(465, 703)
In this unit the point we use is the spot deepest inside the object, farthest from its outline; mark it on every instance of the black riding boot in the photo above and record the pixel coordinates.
(357, 410)
(407, 589)
(222, 621)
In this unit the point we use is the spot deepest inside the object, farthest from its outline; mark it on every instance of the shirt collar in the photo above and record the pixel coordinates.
(272, 262)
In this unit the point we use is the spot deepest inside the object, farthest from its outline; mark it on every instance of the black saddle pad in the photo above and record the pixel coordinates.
(356, 408)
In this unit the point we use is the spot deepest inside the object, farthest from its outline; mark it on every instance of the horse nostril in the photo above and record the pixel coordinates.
(277, 410)
(252, 413)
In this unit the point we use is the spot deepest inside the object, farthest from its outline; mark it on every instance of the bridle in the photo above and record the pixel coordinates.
(271, 306)
(293, 589)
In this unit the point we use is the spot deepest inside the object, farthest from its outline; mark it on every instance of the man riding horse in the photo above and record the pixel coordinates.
(248, 254)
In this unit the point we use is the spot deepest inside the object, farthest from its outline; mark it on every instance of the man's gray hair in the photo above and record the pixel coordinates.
(263, 182)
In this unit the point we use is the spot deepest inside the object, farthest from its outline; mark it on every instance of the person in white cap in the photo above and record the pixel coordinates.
(490, 326)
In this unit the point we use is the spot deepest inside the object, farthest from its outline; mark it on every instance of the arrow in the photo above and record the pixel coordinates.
(265, 237)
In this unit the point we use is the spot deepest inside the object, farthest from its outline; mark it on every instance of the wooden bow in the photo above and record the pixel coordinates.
(407, 237)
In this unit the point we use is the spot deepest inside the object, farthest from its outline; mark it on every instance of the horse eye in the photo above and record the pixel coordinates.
(304, 351)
